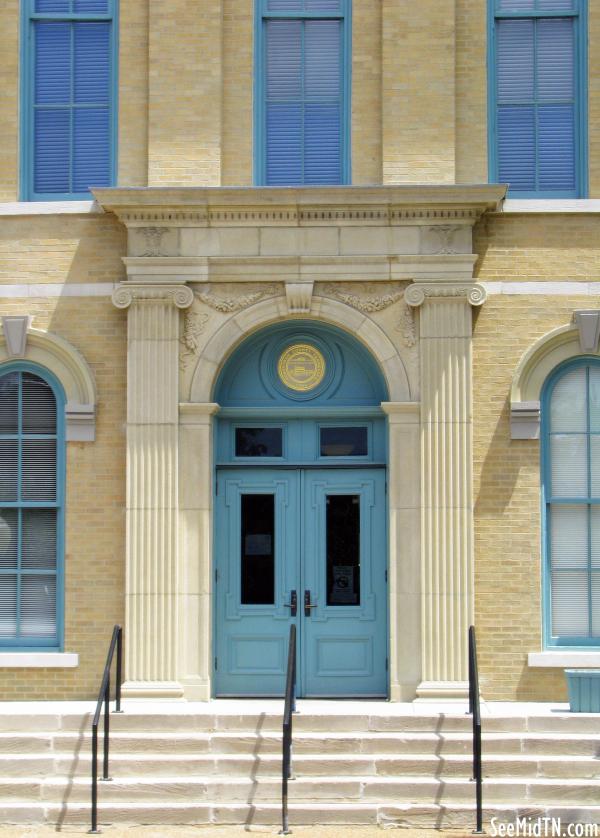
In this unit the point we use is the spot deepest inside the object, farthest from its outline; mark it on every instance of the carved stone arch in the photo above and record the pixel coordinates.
(72, 371)
(274, 310)
(532, 371)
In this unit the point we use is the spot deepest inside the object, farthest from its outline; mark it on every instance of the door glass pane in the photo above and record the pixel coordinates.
(258, 442)
(344, 442)
(258, 550)
(343, 549)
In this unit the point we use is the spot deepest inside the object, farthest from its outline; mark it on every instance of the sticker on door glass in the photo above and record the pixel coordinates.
(301, 367)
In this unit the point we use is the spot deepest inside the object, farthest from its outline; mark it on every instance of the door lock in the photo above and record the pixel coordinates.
(293, 604)
(307, 605)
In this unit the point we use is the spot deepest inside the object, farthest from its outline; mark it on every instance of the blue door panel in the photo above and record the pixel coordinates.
(343, 638)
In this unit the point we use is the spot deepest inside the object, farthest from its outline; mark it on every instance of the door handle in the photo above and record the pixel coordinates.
(293, 604)
(307, 605)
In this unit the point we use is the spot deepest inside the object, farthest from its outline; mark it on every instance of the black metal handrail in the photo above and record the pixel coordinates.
(288, 710)
(104, 698)
(475, 711)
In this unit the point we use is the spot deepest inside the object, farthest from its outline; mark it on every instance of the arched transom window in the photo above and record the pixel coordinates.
(571, 486)
(31, 449)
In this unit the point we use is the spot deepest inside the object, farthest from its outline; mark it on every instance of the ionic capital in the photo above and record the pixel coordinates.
(416, 294)
(128, 293)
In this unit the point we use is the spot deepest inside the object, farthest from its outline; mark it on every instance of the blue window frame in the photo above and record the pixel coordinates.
(68, 98)
(31, 508)
(538, 97)
(302, 85)
(571, 504)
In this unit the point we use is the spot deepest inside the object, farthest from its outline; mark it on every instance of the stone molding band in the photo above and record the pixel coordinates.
(180, 295)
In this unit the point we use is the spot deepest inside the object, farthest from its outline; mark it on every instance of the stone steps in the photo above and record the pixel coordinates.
(407, 815)
(386, 765)
(327, 789)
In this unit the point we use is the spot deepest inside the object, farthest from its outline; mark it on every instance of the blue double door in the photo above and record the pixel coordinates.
(307, 546)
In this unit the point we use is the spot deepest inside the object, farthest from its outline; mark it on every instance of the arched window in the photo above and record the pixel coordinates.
(571, 499)
(31, 507)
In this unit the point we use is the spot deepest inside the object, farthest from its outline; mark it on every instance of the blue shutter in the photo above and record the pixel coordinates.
(536, 119)
(303, 101)
(72, 109)
(30, 511)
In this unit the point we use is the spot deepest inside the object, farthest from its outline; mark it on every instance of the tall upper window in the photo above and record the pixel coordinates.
(301, 92)
(68, 109)
(571, 487)
(31, 490)
(537, 97)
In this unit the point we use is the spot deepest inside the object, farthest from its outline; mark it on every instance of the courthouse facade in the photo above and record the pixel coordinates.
(299, 323)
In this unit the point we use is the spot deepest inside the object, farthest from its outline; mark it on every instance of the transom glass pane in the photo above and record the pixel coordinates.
(343, 549)
(258, 442)
(257, 549)
(39, 406)
(569, 404)
(9, 403)
(344, 442)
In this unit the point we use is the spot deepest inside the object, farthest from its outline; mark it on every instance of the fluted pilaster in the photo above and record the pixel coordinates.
(151, 618)
(447, 558)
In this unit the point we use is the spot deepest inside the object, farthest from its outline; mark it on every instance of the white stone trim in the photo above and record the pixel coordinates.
(559, 659)
(55, 289)
(15, 330)
(562, 288)
(50, 208)
(580, 205)
(525, 420)
(37, 660)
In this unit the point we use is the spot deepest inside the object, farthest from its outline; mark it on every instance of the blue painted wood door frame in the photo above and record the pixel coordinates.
(342, 648)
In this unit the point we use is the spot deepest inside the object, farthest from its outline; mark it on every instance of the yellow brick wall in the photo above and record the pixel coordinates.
(471, 92)
(133, 93)
(9, 74)
(238, 67)
(537, 248)
(95, 500)
(507, 502)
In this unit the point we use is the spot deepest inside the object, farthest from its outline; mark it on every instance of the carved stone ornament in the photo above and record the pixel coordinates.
(153, 237)
(368, 305)
(416, 294)
(407, 327)
(15, 328)
(194, 326)
(299, 296)
(445, 234)
(228, 305)
(127, 293)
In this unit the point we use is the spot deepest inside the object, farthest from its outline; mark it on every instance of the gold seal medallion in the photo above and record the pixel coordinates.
(301, 367)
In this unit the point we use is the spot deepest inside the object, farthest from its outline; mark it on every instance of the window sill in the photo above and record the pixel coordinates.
(37, 660)
(50, 208)
(558, 659)
(543, 205)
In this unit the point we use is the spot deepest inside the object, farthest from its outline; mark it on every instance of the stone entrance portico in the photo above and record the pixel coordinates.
(207, 267)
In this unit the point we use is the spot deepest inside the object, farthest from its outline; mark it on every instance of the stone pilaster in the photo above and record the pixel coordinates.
(151, 622)
(447, 558)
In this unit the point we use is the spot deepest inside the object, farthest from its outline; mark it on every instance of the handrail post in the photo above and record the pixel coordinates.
(475, 710)
(105, 775)
(288, 709)
(119, 674)
(94, 829)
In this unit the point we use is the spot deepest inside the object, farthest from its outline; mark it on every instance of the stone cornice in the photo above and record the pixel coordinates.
(364, 205)
(473, 293)
(128, 292)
